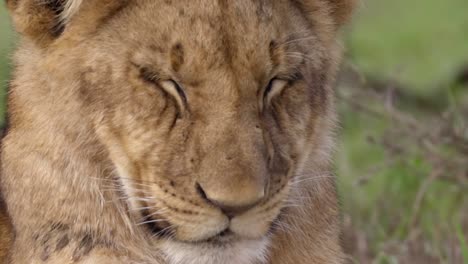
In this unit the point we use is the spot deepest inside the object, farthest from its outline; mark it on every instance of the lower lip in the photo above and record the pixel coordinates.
(218, 240)
(223, 238)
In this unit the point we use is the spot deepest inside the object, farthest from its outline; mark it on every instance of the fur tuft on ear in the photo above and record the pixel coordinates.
(331, 14)
(341, 10)
(42, 20)
(70, 9)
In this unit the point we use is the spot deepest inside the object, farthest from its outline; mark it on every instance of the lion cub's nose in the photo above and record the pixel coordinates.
(232, 201)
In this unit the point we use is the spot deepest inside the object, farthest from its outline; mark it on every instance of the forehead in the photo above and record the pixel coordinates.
(190, 18)
(209, 32)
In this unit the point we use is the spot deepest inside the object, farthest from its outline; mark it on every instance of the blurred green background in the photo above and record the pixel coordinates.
(402, 156)
(6, 44)
(402, 178)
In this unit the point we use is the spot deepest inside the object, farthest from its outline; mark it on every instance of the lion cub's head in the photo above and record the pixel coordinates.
(209, 110)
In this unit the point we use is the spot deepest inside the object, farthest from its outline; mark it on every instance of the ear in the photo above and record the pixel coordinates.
(334, 13)
(341, 10)
(44, 21)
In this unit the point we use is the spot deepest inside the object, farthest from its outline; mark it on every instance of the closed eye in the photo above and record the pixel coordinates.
(168, 85)
(176, 91)
(278, 84)
(274, 88)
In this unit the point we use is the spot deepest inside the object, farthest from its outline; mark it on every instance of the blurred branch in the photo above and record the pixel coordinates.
(437, 136)
(420, 198)
(433, 102)
(462, 76)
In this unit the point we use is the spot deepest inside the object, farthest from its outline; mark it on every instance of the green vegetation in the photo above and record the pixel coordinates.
(463, 243)
(420, 42)
(6, 43)
(394, 212)
(421, 45)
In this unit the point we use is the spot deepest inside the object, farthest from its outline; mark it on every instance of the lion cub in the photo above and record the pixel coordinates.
(173, 132)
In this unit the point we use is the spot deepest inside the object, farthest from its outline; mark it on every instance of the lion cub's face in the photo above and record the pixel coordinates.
(206, 108)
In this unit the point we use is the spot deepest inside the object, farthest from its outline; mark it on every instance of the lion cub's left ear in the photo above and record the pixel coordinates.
(341, 10)
(336, 12)
(44, 21)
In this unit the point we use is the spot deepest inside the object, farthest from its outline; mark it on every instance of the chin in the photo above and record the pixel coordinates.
(228, 250)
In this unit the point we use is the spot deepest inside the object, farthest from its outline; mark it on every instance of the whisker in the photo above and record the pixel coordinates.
(151, 221)
(163, 230)
(299, 55)
(143, 208)
(142, 199)
(315, 178)
(281, 226)
(118, 180)
(297, 40)
(314, 173)
(159, 211)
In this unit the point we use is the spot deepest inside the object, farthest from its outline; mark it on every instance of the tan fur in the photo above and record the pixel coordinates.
(104, 151)
(5, 235)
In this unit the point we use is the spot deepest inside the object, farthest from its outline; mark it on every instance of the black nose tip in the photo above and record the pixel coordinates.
(229, 210)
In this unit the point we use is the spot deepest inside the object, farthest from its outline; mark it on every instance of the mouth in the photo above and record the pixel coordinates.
(223, 237)
(163, 229)
(230, 232)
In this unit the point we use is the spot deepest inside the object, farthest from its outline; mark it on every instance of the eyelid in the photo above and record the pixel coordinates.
(275, 87)
(169, 85)
(173, 88)
(148, 75)
(292, 77)
(179, 90)
(278, 84)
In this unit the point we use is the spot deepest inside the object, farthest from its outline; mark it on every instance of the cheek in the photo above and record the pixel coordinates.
(137, 118)
(291, 120)
(288, 114)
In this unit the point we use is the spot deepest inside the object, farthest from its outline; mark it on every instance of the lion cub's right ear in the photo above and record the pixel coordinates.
(44, 21)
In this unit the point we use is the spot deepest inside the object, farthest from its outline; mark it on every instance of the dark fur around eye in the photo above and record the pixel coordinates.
(148, 75)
